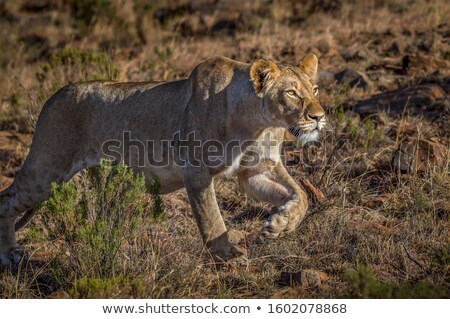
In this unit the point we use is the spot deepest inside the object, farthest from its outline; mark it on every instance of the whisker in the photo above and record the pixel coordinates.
(294, 129)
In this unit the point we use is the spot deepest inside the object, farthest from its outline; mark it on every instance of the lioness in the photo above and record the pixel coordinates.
(222, 102)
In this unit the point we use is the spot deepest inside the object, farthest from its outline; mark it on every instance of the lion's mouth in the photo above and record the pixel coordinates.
(298, 130)
(306, 134)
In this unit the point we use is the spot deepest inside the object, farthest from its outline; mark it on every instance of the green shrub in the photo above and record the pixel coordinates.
(363, 284)
(97, 226)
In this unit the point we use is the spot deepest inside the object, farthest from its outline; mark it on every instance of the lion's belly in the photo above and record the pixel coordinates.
(169, 177)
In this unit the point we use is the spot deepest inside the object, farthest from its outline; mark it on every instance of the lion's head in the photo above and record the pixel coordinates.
(290, 96)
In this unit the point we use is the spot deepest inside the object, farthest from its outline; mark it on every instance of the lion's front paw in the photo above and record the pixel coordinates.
(275, 226)
(12, 256)
(283, 220)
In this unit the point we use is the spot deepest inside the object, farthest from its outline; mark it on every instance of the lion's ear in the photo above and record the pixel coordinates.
(263, 71)
(309, 65)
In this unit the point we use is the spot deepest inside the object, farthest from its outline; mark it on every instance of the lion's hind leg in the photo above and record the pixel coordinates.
(275, 186)
(31, 186)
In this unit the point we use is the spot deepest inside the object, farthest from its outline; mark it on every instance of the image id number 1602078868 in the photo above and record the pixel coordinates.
(307, 308)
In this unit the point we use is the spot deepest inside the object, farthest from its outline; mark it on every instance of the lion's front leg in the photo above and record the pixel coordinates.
(10, 251)
(274, 185)
(209, 220)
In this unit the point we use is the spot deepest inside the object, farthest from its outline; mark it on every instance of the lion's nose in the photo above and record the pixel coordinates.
(315, 116)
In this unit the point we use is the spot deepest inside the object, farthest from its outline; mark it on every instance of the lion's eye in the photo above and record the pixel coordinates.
(290, 93)
(316, 90)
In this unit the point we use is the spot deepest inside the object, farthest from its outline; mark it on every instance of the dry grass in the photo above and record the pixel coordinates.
(395, 224)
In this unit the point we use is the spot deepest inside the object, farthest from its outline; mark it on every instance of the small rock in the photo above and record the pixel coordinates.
(352, 78)
(414, 155)
(305, 278)
(310, 278)
(397, 101)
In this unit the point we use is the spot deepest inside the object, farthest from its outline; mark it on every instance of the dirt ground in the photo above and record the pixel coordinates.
(384, 77)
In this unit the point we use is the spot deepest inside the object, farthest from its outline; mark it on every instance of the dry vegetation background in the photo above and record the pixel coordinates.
(383, 230)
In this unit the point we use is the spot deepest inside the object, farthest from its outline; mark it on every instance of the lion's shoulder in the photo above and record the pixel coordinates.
(219, 72)
(218, 66)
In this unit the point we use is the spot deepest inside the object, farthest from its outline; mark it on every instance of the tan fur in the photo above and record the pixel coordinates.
(222, 100)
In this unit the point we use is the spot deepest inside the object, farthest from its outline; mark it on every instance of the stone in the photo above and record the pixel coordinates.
(310, 278)
(352, 78)
(413, 156)
(396, 102)
(305, 278)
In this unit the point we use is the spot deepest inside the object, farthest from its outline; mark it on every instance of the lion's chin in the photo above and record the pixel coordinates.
(310, 136)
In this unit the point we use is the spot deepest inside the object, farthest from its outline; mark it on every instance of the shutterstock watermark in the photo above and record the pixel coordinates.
(188, 150)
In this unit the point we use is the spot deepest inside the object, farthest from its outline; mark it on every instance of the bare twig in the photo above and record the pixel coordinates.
(310, 188)
(410, 257)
